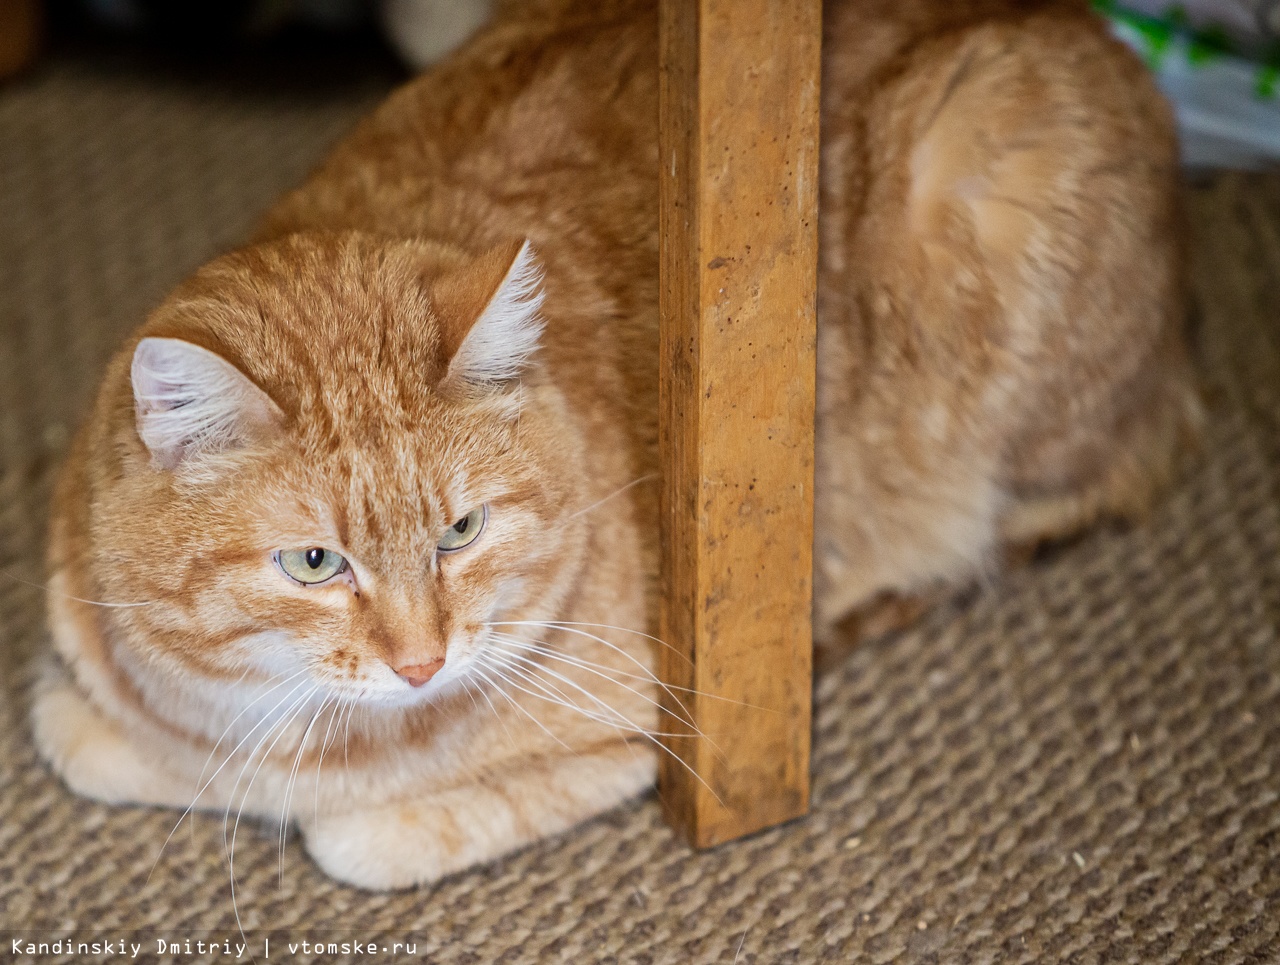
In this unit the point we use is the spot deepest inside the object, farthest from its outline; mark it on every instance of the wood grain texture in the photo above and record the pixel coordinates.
(739, 149)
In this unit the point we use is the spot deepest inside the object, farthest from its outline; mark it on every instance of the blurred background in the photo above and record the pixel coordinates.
(1217, 60)
(420, 31)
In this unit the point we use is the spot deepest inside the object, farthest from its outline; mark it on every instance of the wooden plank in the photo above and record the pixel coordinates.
(739, 196)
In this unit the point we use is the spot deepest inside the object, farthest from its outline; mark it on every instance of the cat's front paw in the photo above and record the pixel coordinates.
(399, 846)
(426, 836)
(90, 754)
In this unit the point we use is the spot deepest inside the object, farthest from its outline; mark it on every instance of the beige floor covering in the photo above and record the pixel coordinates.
(1081, 764)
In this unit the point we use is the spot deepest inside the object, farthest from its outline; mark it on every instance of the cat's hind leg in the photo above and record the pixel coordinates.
(92, 756)
(1118, 470)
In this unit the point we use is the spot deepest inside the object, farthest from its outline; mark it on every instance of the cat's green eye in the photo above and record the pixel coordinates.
(465, 531)
(311, 566)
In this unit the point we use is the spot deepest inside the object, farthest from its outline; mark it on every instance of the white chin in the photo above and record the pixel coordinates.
(402, 696)
(399, 694)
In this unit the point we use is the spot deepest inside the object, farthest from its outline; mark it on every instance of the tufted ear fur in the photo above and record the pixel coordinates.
(489, 316)
(190, 401)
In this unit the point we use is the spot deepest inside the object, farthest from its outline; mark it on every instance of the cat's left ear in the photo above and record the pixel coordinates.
(489, 317)
(191, 402)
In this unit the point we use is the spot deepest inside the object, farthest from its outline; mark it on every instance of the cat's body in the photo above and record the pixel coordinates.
(1000, 361)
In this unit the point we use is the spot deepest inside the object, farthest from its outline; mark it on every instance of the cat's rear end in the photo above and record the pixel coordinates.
(1002, 354)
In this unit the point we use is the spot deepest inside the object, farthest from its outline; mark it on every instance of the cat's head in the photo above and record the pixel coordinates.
(338, 457)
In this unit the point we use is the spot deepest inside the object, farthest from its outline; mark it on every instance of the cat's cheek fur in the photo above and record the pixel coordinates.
(421, 840)
(275, 654)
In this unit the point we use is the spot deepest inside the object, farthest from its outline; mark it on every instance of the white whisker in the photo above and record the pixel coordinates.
(549, 696)
(616, 492)
(346, 737)
(78, 599)
(651, 736)
(547, 650)
(293, 777)
(279, 728)
(524, 710)
(541, 686)
(285, 723)
(247, 707)
(614, 647)
(324, 747)
(687, 722)
(563, 624)
(570, 628)
(494, 710)
(694, 729)
(618, 719)
(512, 701)
(202, 788)
(500, 637)
(466, 688)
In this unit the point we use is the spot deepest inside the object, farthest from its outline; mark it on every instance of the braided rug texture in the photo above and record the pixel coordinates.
(1079, 764)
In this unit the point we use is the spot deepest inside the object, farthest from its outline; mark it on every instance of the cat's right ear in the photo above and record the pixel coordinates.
(190, 401)
(489, 317)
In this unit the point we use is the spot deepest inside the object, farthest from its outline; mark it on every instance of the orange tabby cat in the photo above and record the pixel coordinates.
(357, 496)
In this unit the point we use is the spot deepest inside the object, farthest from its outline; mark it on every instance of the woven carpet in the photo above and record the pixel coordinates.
(1081, 763)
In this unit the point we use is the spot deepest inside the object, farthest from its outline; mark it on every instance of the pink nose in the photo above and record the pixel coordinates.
(420, 673)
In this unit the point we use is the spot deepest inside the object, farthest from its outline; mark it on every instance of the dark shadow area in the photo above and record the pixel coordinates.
(225, 46)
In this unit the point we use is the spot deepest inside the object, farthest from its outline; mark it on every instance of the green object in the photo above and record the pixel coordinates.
(1172, 35)
(1268, 75)
(1226, 97)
